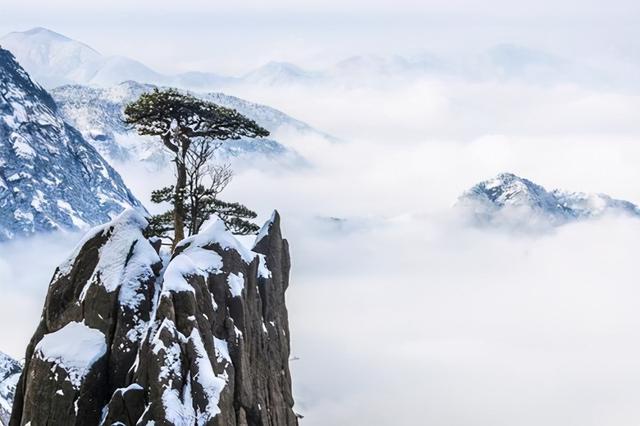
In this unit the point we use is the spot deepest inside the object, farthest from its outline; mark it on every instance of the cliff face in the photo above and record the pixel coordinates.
(50, 177)
(123, 341)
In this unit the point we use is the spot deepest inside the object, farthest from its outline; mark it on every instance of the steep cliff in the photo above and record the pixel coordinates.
(50, 177)
(203, 340)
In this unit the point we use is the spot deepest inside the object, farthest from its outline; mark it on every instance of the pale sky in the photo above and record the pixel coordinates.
(233, 37)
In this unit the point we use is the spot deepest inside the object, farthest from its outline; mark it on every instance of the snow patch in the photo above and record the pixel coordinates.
(263, 270)
(125, 259)
(213, 231)
(192, 261)
(74, 348)
(211, 383)
(236, 284)
(264, 231)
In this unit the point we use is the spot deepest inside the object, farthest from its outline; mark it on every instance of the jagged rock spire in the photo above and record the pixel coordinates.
(97, 307)
(211, 346)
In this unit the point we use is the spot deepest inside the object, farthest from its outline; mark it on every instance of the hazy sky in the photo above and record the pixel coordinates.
(410, 317)
(233, 37)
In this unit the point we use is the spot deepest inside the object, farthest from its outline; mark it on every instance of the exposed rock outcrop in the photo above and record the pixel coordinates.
(95, 313)
(203, 342)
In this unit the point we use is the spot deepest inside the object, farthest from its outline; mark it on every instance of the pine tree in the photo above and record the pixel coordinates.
(201, 202)
(192, 130)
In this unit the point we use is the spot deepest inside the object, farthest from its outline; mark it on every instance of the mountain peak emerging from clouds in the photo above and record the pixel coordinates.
(512, 201)
(278, 73)
(54, 59)
(44, 34)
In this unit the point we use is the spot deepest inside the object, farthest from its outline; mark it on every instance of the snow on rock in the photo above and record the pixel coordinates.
(50, 177)
(193, 261)
(206, 359)
(213, 231)
(10, 370)
(212, 383)
(122, 262)
(121, 342)
(514, 202)
(75, 348)
(263, 271)
(236, 284)
(264, 230)
(96, 313)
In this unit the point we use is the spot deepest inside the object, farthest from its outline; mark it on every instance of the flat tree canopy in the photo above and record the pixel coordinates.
(187, 126)
(168, 112)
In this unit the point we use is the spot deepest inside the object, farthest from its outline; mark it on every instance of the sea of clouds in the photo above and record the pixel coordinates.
(399, 312)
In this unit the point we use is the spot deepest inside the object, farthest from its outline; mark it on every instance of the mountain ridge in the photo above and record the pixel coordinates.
(58, 60)
(50, 177)
(99, 112)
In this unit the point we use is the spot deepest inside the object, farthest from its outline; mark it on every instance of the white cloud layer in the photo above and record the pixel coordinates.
(401, 315)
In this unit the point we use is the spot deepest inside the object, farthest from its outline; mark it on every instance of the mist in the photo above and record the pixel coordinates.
(401, 313)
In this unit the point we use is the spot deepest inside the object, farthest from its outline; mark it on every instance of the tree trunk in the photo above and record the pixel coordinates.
(178, 210)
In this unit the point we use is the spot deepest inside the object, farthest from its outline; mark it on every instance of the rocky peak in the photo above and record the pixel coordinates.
(96, 310)
(50, 178)
(509, 189)
(514, 201)
(204, 340)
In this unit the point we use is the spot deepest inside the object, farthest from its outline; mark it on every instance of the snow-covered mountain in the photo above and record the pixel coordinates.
(98, 114)
(10, 370)
(50, 177)
(280, 73)
(511, 201)
(54, 60)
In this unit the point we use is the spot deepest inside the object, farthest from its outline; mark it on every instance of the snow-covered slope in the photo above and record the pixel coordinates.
(512, 201)
(280, 73)
(98, 114)
(10, 370)
(50, 177)
(54, 60)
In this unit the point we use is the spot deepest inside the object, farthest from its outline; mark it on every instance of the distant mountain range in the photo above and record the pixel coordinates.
(53, 172)
(54, 60)
(98, 114)
(50, 177)
(514, 202)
